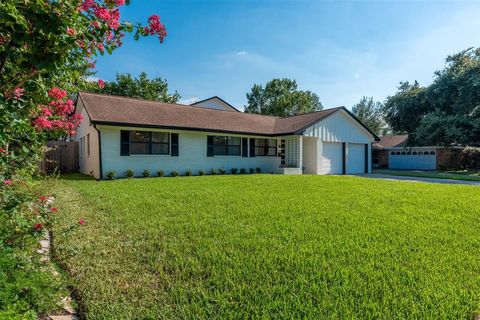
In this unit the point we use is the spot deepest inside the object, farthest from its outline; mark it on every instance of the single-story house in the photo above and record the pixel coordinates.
(394, 152)
(120, 133)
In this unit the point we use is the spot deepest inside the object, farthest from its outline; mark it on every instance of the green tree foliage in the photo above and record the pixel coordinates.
(445, 112)
(371, 114)
(155, 89)
(404, 110)
(281, 97)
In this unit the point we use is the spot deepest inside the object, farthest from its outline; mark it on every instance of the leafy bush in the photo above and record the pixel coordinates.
(160, 173)
(213, 171)
(174, 173)
(201, 172)
(234, 170)
(471, 158)
(243, 171)
(251, 170)
(111, 175)
(146, 173)
(129, 173)
(221, 171)
(188, 172)
(258, 170)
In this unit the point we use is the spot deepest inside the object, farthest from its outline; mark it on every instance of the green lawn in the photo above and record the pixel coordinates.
(470, 175)
(271, 246)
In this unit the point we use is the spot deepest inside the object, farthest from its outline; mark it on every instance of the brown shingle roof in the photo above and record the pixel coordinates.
(391, 141)
(115, 110)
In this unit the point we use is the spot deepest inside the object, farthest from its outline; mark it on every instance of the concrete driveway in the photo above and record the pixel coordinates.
(418, 179)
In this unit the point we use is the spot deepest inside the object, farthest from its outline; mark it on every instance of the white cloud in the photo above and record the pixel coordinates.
(241, 53)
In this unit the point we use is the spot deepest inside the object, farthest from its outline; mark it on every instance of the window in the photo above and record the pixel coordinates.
(420, 153)
(408, 153)
(145, 142)
(403, 153)
(393, 153)
(398, 153)
(265, 147)
(432, 152)
(414, 153)
(226, 146)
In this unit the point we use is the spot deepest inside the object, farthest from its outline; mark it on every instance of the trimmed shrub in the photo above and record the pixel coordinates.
(252, 170)
(201, 172)
(471, 158)
(258, 170)
(188, 172)
(111, 175)
(221, 171)
(174, 173)
(234, 170)
(160, 173)
(129, 173)
(243, 171)
(213, 171)
(146, 173)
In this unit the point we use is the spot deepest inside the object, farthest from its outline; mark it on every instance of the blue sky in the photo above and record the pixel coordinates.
(339, 50)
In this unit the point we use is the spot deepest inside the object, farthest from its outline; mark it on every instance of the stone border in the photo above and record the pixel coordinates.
(68, 312)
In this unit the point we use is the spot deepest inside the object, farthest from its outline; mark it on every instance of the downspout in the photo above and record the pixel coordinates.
(99, 152)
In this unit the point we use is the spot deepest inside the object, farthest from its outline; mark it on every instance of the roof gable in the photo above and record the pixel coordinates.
(215, 102)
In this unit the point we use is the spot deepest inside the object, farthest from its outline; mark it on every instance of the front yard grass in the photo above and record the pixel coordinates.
(271, 246)
(469, 175)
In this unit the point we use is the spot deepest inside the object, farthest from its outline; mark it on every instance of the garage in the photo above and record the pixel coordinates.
(332, 158)
(356, 158)
(413, 159)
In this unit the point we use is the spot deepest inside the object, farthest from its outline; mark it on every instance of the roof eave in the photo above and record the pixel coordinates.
(150, 126)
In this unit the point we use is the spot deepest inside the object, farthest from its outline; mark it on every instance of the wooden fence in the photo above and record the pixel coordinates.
(60, 156)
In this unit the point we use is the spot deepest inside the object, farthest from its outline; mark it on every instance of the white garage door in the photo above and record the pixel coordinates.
(412, 160)
(332, 158)
(356, 158)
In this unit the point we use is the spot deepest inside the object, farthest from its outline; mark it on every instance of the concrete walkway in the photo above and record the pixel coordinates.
(418, 179)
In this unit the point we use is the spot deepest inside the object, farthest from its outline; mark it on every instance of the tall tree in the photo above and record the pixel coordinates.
(371, 114)
(155, 89)
(445, 112)
(281, 97)
(404, 110)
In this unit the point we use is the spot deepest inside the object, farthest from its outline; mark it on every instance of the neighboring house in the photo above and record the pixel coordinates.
(121, 133)
(215, 103)
(394, 152)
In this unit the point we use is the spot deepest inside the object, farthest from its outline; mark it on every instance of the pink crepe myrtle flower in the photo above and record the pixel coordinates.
(57, 93)
(87, 4)
(100, 47)
(18, 93)
(81, 222)
(46, 112)
(42, 123)
(43, 198)
(7, 182)
(119, 2)
(38, 226)
(3, 150)
(101, 84)
(102, 13)
(53, 210)
(70, 31)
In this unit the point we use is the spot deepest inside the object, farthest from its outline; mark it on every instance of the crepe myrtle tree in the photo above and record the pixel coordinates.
(47, 49)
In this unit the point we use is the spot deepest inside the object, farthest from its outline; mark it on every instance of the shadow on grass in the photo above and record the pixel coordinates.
(75, 176)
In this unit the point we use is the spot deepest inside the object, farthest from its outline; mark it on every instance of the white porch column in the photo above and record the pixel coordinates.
(319, 155)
